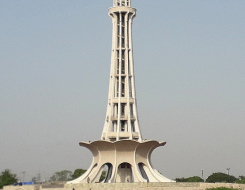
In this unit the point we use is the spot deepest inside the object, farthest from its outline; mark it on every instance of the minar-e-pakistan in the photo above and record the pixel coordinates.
(121, 148)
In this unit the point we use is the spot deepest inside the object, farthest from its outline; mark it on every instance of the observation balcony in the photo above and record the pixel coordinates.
(123, 100)
(135, 135)
(122, 117)
(112, 135)
(123, 135)
(121, 9)
(123, 3)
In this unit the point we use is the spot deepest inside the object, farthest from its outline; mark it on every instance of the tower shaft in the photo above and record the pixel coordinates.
(121, 117)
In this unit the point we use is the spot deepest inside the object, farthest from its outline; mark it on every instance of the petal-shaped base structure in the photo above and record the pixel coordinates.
(127, 161)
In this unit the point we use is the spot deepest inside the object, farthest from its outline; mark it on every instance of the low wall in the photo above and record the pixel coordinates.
(129, 186)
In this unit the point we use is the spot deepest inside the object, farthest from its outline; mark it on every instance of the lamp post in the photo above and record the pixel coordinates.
(228, 171)
(202, 173)
(23, 176)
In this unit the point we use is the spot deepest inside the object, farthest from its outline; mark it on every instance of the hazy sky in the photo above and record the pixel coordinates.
(190, 81)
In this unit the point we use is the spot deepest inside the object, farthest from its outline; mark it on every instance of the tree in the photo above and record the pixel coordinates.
(221, 177)
(64, 175)
(181, 179)
(189, 179)
(195, 179)
(77, 173)
(7, 178)
(241, 179)
(34, 180)
(103, 175)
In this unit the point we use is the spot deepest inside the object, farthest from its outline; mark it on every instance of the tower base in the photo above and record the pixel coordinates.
(127, 161)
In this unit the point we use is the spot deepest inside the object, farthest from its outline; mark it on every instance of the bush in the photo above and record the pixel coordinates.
(241, 179)
(221, 177)
(189, 179)
(221, 188)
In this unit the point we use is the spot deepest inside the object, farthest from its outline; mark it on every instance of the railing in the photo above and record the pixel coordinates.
(132, 117)
(123, 117)
(115, 117)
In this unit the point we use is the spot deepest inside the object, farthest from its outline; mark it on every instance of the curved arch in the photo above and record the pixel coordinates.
(152, 149)
(109, 172)
(124, 173)
(142, 171)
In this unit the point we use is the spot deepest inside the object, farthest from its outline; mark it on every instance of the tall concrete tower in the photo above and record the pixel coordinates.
(121, 118)
(121, 149)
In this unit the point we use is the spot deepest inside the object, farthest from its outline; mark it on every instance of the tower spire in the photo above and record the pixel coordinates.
(121, 117)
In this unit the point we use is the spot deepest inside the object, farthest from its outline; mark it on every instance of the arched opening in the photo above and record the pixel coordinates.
(142, 171)
(124, 173)
(106, 173)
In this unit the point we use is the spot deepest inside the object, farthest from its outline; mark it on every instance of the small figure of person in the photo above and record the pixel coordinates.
(88, 180)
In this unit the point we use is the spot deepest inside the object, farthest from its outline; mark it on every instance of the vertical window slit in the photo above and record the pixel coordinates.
(123, 106)
(123, 87)
(132, 127)
(130, 87)
(117, 86)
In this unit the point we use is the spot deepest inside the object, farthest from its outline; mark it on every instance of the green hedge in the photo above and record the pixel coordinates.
(221, 188)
